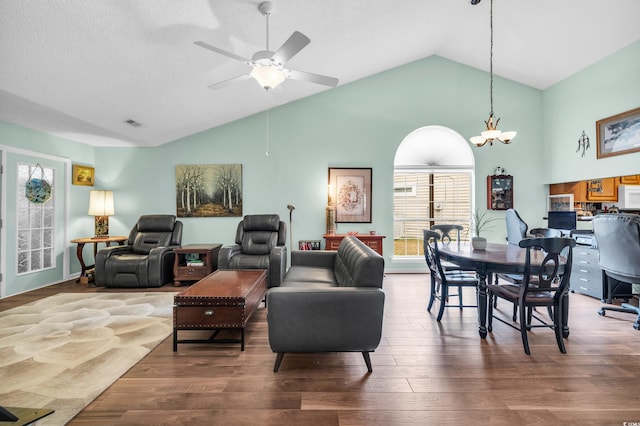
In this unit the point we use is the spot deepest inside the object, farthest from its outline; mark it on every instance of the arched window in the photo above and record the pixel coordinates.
(433, 183)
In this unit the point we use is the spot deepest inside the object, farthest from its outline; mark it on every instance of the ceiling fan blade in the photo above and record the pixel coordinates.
(223, 83)
(313, 78)
(220, 51)
(294, 44)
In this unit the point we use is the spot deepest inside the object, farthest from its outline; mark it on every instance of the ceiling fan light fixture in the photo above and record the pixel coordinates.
(268, 76)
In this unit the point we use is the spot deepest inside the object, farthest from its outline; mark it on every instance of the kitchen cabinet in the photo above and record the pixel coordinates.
(630, 180)
(602, 189)
(578, 189)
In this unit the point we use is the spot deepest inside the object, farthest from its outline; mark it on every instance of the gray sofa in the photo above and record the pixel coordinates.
(329, 301)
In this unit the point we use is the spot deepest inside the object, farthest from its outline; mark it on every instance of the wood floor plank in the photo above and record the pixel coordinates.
(424, 372)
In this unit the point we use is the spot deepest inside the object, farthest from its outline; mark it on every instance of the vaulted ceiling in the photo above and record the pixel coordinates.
(79, 69)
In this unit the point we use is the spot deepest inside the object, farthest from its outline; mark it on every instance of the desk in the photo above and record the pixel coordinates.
(497, 258)
(84, 277)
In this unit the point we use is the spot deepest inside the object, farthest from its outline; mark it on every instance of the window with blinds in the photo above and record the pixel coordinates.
(423, 198)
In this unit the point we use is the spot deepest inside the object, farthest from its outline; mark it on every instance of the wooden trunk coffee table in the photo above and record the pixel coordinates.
(224, 300)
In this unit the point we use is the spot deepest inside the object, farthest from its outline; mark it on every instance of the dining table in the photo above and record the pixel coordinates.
(495, 259)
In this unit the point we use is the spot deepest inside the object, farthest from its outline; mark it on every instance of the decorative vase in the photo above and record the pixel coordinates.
(479, 243)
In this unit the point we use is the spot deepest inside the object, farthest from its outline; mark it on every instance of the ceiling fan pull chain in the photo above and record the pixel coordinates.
(267, 148)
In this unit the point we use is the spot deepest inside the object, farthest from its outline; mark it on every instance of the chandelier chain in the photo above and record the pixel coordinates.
(491, 57)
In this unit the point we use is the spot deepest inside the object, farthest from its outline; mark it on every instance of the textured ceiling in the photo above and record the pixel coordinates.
(80, 68)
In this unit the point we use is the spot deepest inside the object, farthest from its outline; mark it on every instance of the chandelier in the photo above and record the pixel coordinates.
(491, 133)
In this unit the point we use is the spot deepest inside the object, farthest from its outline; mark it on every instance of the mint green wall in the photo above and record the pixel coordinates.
(80, 224)
(606, 88)
(361, 124)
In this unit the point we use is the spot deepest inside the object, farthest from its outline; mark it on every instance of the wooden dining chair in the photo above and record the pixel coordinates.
(547, 287)
(441, 279)
(450, 232)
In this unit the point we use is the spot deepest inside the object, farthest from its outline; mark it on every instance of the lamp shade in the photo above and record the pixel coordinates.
(268, 76)
(101, 203)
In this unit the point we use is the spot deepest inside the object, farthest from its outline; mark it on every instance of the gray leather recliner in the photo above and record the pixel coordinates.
(259, 244)
(147, 258)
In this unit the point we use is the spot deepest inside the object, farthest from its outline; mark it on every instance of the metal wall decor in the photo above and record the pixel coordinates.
(583, 143)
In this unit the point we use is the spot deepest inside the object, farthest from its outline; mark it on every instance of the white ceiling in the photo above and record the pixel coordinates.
(79, 68)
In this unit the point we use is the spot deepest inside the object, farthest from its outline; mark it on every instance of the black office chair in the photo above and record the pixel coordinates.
(516, 231)
(618, 239)
(441, 279)
(548, 287)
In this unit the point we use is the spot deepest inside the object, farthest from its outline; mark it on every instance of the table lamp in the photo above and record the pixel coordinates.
(101, 206)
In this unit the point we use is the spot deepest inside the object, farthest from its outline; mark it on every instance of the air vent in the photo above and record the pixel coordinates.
(132, 122)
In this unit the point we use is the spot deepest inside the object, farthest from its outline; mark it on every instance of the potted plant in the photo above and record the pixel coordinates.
(480, 222)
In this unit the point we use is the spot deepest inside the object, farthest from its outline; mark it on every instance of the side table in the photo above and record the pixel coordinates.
(194, 262)
(84, 274)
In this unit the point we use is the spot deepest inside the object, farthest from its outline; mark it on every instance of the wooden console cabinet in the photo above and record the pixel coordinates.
(332, 242)
(194, 262)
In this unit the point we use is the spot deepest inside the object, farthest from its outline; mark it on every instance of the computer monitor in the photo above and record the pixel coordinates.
(562, 220)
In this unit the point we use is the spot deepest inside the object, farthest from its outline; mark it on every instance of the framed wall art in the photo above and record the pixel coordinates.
(209, 190)
(83, 175)
(618, 134)
(350, 194)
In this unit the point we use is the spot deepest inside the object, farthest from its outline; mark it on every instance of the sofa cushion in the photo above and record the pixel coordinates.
(309, 274)
(243, 261)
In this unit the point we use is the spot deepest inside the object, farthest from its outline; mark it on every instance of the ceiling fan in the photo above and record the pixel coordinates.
(268, 66)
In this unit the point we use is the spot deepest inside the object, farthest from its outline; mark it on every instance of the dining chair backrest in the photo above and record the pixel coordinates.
(432, 255)
(545, 233)
(516, 227)
(553, 275)
(448, 232)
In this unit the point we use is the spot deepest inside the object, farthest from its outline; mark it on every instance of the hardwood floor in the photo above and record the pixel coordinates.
(423, 373)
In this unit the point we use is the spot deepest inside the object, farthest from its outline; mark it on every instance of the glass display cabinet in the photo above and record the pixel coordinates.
(499, 192)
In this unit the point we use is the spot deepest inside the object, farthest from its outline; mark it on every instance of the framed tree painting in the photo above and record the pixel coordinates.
(209, 190)
(618, 134)
(350, 194)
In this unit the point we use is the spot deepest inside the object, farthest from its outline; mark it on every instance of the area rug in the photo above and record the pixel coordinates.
(61, 352)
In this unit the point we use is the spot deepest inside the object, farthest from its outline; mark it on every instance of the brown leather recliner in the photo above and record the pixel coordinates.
(147, 258)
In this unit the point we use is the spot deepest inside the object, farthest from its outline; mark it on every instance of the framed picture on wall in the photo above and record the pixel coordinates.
(209, 190)
(83, 175)
(618, 134)
(350, 194)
